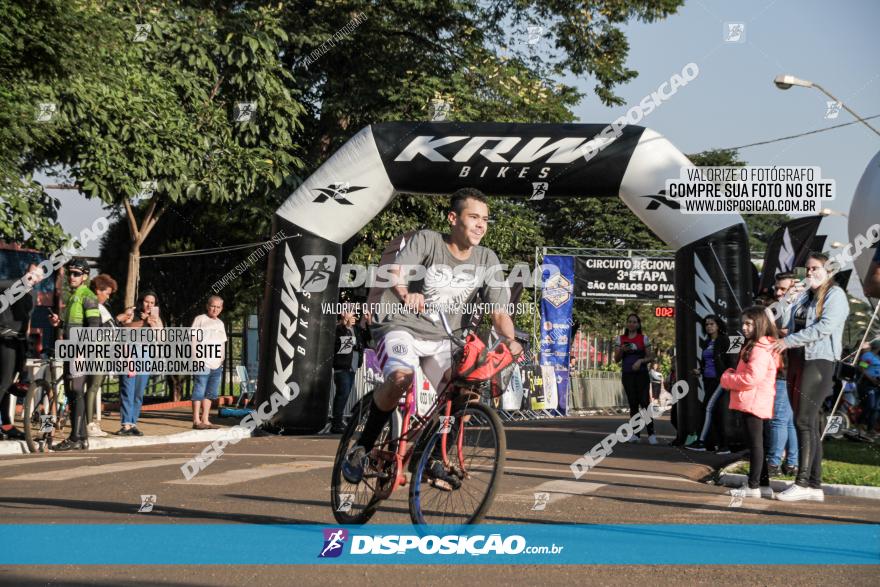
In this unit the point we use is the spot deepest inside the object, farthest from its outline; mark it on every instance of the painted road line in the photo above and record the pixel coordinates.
(90, 471)
(252, 474)
(41, 460)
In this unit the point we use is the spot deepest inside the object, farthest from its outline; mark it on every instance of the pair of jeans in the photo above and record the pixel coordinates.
(207, 385)
(343, 379)
(782, 433)
(872, 407)
(714, 404)
(131, 397)
(637, 385)
(816, 385)
(758, 473)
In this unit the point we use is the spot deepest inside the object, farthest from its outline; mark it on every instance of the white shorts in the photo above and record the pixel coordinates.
(398, 349)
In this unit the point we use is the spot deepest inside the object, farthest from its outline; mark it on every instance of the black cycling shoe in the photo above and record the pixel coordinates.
(773, 470)
(790, 469)
(71, 445)
(440, 478)
(135, 432)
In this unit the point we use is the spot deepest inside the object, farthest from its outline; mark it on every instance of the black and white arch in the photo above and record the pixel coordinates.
(511, 159)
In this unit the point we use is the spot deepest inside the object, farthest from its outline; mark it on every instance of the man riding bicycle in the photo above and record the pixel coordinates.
(452, 268)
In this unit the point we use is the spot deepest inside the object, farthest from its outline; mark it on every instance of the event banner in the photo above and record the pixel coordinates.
(557, 303)
(480, 544)
(637, 278)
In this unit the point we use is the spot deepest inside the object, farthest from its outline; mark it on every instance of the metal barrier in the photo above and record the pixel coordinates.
(596, 389)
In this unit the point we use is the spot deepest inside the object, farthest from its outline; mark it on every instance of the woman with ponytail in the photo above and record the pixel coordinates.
(816, 320)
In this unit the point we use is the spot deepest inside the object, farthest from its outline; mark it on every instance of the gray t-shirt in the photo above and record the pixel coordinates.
(447, 283)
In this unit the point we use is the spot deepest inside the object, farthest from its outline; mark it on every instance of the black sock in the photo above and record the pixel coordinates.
(375, 422)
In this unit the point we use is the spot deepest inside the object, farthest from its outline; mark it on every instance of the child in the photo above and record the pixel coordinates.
(752, 389)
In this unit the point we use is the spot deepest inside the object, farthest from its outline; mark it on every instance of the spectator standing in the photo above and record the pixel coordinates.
(656, 381)
(14, 325)
(133, 385)
(348, 356)
(633, 350)
(80, 311)
(713, 363)
(103, 286)
(206, 386)
(752, 386)
(815, 322)
(781, 433)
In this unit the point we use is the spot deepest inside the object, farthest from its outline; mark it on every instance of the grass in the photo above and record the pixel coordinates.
(844, 462)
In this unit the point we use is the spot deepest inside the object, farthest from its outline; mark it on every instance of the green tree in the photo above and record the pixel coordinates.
(160, 103)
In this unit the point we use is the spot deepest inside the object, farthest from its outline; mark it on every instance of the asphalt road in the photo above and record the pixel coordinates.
(285, 480)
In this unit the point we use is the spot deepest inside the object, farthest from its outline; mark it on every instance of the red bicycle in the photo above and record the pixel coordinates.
(452, 457)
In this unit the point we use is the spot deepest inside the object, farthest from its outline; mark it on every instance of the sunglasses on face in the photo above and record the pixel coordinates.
(75, 273)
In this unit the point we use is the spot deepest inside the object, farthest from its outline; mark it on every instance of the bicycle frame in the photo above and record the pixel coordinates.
(411, 434)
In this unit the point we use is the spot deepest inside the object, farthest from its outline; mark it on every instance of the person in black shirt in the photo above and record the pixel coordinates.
(14, 323)
(348, 356)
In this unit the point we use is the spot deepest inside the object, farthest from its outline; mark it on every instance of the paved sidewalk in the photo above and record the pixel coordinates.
(159, 427)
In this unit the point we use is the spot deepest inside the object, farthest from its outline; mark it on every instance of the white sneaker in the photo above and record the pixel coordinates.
(766, 492)
(745, 491)
(795, 492)
(652, 439)
(816, 494)
(94, 429)
(633, 440)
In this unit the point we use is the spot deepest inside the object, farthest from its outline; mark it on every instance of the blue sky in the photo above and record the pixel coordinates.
(733, 100)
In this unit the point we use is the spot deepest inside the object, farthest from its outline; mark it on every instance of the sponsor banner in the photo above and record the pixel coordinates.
(623, 544)
(637, 278)
(557, 303)
(536, 161)
(513, 395)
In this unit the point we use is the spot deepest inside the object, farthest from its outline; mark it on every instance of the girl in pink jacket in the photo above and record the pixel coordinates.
(752, 389)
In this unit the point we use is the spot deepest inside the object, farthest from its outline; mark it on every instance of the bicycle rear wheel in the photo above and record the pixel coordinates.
(355, 503)
(40, 404)
(475, 453)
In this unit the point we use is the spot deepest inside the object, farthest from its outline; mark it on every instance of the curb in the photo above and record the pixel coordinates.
(865, 492)
(19, 447)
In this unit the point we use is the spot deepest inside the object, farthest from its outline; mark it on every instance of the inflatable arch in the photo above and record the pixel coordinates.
(864, 212)
(713, 271)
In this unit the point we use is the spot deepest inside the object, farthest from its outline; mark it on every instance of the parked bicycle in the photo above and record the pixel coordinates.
(452, 457)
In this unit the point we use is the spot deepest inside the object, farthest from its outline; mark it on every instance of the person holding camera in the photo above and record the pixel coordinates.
(633, 350)
(133, 385)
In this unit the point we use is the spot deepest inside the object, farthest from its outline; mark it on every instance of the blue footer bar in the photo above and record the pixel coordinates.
(624, 544)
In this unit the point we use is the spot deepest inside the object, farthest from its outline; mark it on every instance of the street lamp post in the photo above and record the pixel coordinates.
(784, 82)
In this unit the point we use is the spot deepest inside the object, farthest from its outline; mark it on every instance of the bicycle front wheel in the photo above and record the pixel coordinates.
(40, 405)
(456, 480)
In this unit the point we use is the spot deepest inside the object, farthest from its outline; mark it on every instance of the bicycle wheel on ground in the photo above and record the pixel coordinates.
(457, 486)
(39, 417)
(355, 503)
